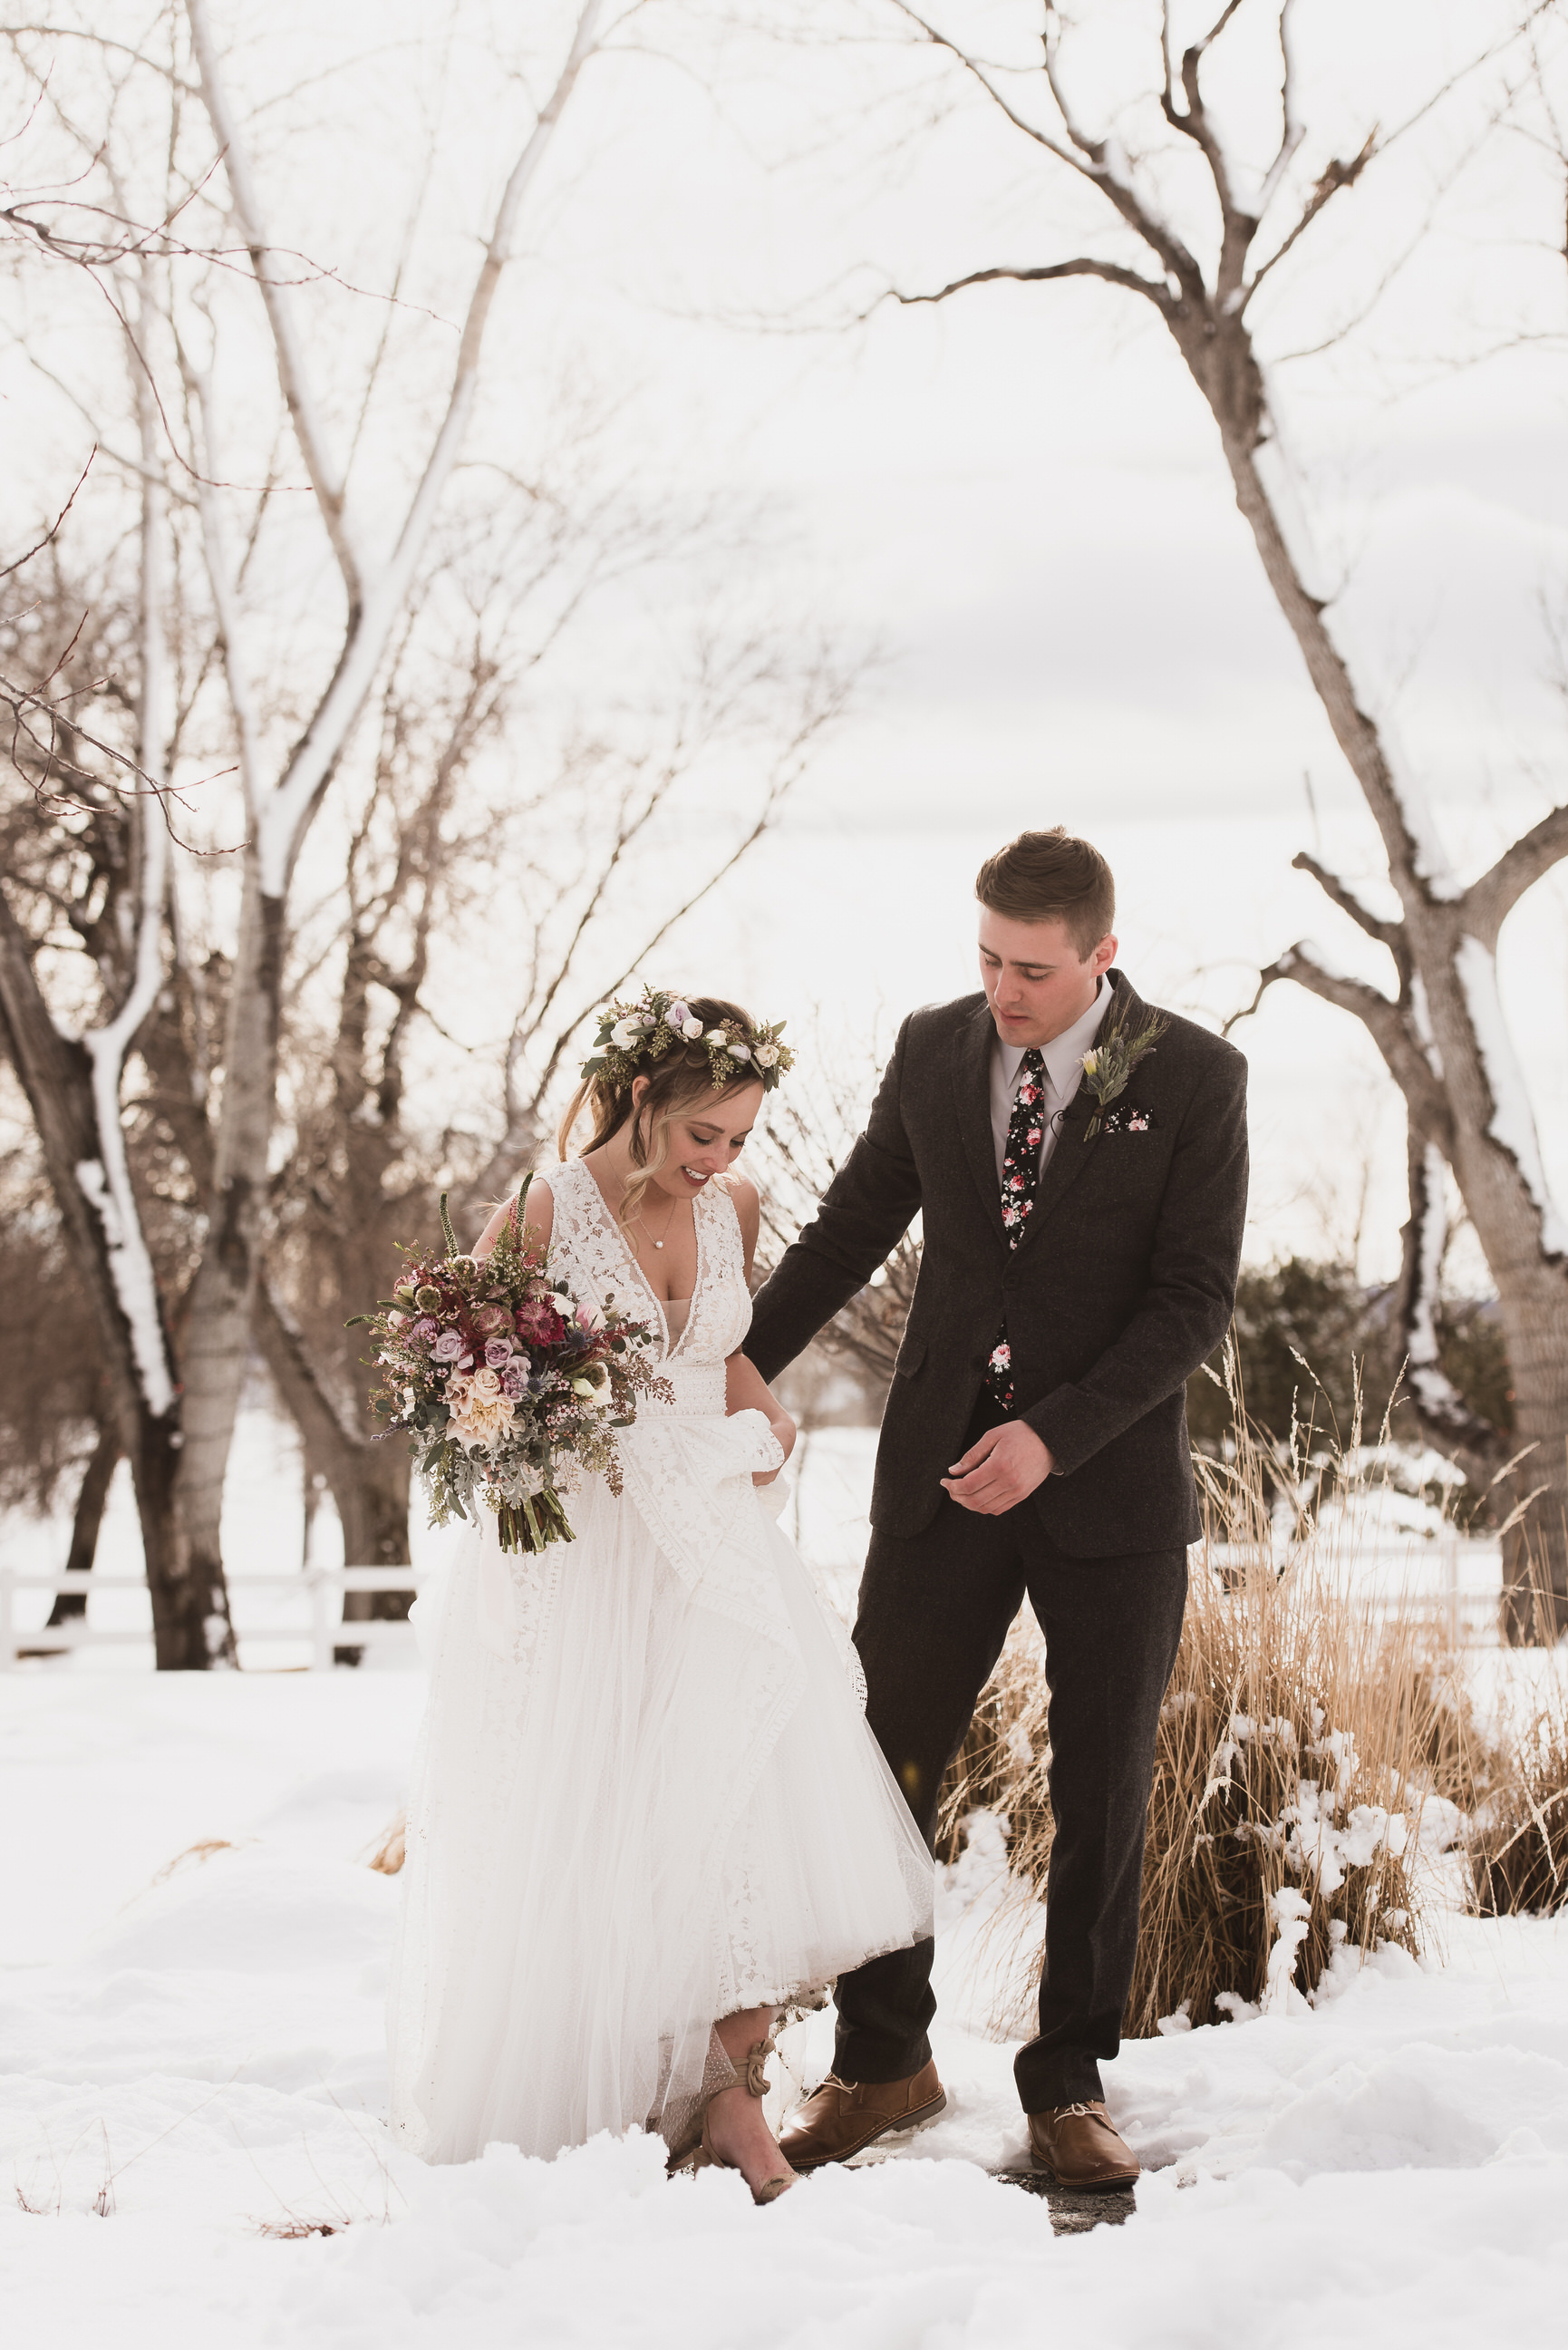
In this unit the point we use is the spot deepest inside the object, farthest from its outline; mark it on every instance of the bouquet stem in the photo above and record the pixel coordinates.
(529, 1525)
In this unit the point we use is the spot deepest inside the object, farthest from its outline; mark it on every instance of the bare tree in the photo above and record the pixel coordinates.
(376, 589)
(54, 1407)
(76, 1088)
(1198, 260)
(117, 821)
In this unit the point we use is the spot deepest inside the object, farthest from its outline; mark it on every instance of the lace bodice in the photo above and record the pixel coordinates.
(589, 1251)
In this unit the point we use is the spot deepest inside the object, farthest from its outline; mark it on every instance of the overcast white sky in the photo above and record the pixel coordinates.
(1018, 497)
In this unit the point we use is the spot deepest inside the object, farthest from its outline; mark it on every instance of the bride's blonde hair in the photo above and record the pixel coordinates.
(680, 1079)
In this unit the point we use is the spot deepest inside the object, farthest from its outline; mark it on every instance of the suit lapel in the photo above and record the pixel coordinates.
(971, 1098)
(1071, 1153)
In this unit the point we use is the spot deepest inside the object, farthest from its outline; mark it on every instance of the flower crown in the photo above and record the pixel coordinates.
(631, 1035)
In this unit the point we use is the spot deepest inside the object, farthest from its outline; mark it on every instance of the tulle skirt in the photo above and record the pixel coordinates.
(644, 1796)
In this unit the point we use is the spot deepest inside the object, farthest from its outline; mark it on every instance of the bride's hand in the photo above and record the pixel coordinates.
(784, 1429)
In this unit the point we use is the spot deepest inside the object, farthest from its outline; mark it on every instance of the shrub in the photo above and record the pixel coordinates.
(1277, 1828)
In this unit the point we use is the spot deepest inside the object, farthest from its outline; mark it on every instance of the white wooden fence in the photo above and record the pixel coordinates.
(1454, 1584)
(318, 1619)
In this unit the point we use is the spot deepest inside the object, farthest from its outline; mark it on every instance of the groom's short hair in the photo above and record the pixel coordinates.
(1044, 877)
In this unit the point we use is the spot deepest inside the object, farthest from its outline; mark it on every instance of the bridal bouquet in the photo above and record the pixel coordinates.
(510, 1391)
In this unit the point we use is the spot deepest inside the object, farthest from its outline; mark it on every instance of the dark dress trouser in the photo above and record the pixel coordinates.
(935, 1608)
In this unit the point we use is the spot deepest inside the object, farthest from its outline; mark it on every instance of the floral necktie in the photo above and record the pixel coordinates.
(1020, 1167)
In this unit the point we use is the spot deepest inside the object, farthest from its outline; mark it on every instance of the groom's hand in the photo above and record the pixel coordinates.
(999, 1472)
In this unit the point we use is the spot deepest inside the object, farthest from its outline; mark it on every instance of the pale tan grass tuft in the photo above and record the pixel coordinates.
(197, 1853)
(389, 1854)
(1518, 1849)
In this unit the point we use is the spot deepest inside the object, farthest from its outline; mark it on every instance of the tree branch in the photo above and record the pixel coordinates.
(1087, 169)
(1491, 899)
(1293, 129)
(1388, 934)
(1338, 175)
(1094, 161)
(1110, 272)
(375, 597)
(1383, 1019)
(292, 373)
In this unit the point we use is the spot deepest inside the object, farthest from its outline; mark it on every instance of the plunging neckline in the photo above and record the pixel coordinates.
(672, 1346)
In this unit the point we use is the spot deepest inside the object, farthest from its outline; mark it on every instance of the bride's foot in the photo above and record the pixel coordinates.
(737, 2135)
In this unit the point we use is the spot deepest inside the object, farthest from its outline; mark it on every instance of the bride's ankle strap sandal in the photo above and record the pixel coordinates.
(755, 2075)
(753, 2078)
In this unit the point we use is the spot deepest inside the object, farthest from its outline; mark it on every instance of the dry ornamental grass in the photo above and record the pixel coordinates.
(1519, 1851)
(1303, 1728)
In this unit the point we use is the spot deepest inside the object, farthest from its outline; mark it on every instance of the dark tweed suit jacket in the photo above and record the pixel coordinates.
(1124, 1284)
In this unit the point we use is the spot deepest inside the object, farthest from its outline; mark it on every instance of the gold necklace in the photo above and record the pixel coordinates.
(667, 1222)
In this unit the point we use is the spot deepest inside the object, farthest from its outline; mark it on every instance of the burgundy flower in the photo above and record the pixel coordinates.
(539, 1322)
(490, 1320)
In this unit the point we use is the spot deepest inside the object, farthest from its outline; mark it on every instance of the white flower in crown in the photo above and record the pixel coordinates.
(767, 1055)
(738, 1052)
(626, 1032)
(716, 1037)
(692, 1029)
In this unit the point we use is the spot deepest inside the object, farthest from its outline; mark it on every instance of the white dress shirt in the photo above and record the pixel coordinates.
(1064, 1059)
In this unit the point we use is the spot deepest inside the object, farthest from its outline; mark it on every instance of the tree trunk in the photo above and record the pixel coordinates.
(85, 1524)
(1444, 1044)
(369, 1476)
(190, 1611)
(1535, 1492)
(217, 1329)
(374, 1508)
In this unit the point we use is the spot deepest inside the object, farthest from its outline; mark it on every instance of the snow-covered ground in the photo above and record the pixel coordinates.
(192, 2059)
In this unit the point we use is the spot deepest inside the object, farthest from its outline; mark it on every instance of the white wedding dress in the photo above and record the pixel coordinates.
(644, 1795)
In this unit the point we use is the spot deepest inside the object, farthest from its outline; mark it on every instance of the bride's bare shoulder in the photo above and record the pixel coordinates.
(539, 1214)
(747, 1201)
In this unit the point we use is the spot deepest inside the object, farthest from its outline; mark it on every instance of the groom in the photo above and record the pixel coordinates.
(1081, 1241)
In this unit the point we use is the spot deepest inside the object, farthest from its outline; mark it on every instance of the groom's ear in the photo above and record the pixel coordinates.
(1104, 954)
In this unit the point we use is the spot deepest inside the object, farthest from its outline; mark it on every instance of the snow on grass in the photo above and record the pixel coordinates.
(199, 2059)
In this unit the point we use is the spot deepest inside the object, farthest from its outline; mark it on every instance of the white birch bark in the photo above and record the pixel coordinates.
(376, 589)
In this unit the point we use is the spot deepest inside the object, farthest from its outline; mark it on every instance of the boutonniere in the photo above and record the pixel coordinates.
(1110, 1062)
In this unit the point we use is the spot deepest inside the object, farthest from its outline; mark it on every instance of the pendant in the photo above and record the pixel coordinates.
(658, 1243)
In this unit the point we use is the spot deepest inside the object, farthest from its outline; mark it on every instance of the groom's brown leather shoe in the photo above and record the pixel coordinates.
(842, 2117)
(1077, 2146)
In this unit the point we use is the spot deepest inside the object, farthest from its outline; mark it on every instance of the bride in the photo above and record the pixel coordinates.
(646, 1814)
